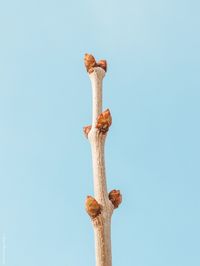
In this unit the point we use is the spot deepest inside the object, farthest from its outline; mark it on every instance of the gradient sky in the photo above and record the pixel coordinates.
(152, 88)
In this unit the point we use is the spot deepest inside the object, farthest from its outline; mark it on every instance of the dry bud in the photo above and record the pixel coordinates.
(104, 121)
(115, 197)
(102, 64)
(90, 63)
(86, 130)
(92, 207)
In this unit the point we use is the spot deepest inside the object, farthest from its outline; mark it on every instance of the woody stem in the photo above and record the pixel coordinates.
(102, 222)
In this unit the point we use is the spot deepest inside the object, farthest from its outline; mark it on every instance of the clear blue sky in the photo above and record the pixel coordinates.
(153, 149)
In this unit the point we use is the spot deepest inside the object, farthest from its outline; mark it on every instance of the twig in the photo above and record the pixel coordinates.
(101, 207)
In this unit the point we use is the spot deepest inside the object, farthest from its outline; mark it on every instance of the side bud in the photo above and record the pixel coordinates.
(104, 121)
(86, 130)
(115, 197)
(92, 207)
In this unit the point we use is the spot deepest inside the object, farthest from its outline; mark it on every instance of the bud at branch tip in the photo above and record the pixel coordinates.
(90, 63)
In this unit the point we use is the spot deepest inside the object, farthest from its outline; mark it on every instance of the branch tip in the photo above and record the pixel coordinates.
(90, 63)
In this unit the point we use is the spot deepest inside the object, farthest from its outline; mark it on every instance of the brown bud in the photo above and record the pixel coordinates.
(92, 207)
(86, 130)
(90, 62)
(102, 64)
(115, 197)
(104, 121)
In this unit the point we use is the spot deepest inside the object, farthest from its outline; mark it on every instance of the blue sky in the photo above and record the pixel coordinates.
(152, 151)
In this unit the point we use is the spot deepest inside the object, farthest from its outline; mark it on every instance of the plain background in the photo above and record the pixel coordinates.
(152, 88)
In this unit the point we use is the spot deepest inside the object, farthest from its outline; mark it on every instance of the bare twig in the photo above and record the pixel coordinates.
(101, 207)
